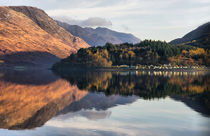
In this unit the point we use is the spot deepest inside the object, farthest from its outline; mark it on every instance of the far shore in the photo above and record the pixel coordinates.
(110, 69)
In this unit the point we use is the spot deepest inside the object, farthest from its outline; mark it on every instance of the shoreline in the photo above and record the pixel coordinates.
(110, 69)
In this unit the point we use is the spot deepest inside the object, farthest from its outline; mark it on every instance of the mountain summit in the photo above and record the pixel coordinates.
(29, 36)
(99, 36)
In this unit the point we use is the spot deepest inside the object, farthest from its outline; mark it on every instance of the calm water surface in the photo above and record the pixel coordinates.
(40, 103)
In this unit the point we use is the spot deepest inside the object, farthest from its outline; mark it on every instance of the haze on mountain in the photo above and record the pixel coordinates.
(199, 37)
(99, 36)
(29, 36)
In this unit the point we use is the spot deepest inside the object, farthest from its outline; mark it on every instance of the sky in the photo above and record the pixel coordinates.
(146, 19)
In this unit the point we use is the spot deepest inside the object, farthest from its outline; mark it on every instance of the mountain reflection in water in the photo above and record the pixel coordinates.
(29, 99)
(27, 104)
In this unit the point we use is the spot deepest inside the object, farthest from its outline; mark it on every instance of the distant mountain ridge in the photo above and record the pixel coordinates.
(29, 36)
(199, 37)
(99, 36)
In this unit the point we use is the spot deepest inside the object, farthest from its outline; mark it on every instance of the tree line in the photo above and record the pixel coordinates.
(147, 52)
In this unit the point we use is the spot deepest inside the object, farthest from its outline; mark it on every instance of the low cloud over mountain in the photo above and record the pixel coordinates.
(90, 22)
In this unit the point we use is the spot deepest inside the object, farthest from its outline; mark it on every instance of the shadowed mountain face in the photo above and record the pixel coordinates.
(28, 30)
(199, 37)
(36, 58)
(99, 36)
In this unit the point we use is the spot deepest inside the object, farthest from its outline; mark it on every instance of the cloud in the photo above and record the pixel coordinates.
(89, 114)
(90, 22)
(96, 21)
(124, 27)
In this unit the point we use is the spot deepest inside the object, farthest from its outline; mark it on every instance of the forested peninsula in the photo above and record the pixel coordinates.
(146, 53)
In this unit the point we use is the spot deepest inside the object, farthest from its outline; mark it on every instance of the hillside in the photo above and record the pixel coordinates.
(199, 37)
(99, 36)
(29, 36)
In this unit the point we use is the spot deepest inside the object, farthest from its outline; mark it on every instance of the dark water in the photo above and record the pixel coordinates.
(40, 103)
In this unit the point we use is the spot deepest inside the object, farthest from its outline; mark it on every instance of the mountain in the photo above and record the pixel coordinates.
(29, 36)
(199, 37)
(99, 36)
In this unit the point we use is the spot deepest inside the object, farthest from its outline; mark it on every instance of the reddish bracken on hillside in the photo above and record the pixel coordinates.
(29, 36)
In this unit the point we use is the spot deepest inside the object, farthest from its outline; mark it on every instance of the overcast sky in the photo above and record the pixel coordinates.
(147, 19)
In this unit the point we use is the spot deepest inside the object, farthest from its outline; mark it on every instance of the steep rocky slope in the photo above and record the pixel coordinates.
(199, 37)
(99, 36)
(29, 36)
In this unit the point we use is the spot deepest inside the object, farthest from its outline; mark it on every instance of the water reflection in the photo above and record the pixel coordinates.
(26, 77)
(189, 88)
(99, 102)
(104, 103)
(25, 105)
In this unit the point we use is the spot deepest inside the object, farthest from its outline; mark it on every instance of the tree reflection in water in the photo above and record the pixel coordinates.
(190, 87)
(30, 98)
